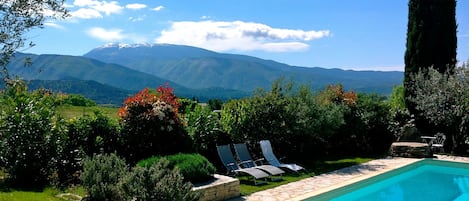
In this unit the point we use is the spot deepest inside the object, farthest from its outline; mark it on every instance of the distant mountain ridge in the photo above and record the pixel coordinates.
(192, 72)
(199, 68)
(53, 68)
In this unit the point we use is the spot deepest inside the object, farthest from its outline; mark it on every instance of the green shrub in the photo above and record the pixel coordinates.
(157, 182)
(194, 167)
(296, 121)
(85, 136)
(101, 175)
(203, 125)
(366, 128)
(77, 100)
(442, 101)
(30, 135)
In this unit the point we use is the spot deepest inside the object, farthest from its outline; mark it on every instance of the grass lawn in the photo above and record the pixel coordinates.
(316, 168)
(69, 112)
(48, 194)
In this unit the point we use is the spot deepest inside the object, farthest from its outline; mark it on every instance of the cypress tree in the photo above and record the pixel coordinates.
(431, 41)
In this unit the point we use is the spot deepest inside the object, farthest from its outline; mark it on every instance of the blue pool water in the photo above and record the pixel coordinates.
(422, 181)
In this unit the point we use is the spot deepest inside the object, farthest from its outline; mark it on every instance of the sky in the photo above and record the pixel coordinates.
(355, 35)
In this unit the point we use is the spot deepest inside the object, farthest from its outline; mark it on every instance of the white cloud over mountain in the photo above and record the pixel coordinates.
(238, 35)
(115, 35)
(108, 35)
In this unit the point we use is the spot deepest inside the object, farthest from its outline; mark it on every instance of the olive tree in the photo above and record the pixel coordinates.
(443, 99)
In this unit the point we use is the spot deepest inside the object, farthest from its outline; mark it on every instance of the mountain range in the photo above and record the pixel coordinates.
(192, 72)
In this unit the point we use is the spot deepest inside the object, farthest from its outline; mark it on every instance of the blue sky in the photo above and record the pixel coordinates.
(359, 34)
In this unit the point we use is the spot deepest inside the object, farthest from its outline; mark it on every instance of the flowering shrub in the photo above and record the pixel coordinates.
(29, 135)
(151, 125)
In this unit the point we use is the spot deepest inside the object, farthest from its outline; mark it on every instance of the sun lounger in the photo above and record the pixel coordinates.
(232, 167)
(247, 162)
(272, 159)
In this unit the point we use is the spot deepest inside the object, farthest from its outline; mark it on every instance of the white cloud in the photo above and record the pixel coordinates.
(158, 8)
(53, 25)
(110, 35)
(135, 6)
(86, 13)
(238, 35)
(105, 7)
(66, 5)
(115, 35)
(137, 19)
(108, 8)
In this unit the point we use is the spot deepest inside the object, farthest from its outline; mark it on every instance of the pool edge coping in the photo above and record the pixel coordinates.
(366, 176)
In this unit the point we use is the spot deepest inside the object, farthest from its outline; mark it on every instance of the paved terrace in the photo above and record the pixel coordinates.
(325, 182)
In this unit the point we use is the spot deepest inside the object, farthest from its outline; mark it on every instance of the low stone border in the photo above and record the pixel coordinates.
(410, 150)
(220, 188)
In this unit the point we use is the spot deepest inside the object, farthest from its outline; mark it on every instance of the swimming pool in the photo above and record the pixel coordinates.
(424, 180)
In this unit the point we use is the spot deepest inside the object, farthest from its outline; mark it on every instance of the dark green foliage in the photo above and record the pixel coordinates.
(431, 35)
(402, 124)
(443, 99)
(193, 167)
(77, 100)
(85, 136)
(97, 92)
(299, 123)
(30, 135)
(296, 123)
(431, 43)
(204, 127)
(101, 175)
(215, 104)
(373, 111)
(366, 119)
(186, 105)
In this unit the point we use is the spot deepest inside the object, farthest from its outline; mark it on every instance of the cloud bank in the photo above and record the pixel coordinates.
(135, 6)
(89, 9)
(238, 35)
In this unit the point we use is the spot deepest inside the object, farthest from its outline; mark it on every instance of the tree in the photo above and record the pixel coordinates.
(18, 17)
(443, 99)
(431, 42)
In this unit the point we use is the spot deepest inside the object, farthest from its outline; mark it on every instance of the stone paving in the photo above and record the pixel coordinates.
(325, 182)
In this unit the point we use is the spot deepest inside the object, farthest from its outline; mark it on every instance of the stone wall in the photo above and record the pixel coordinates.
(221, 188)
(410, 149)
